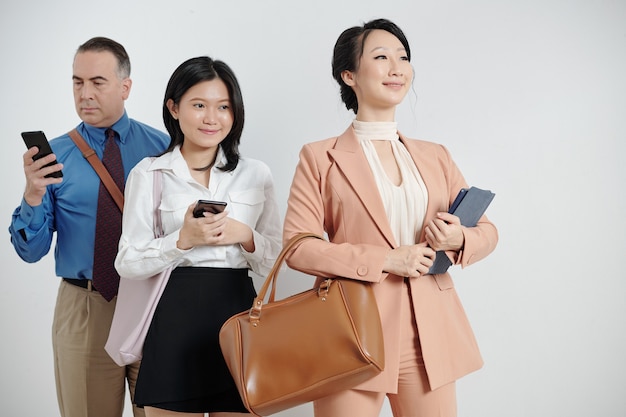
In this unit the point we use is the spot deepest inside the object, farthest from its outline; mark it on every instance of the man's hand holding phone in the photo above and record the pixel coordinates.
(38, 139)
(40, 167)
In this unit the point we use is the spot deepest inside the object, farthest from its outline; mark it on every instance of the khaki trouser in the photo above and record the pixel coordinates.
(89, 383)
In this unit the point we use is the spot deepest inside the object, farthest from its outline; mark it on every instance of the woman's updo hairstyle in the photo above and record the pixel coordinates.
(349, 49)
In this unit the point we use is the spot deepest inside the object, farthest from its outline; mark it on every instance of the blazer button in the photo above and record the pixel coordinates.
(362, 271)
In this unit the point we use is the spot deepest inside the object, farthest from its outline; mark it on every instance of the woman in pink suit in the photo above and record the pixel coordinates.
(382, 199)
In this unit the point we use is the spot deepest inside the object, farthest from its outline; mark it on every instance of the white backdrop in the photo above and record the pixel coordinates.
(529, 96)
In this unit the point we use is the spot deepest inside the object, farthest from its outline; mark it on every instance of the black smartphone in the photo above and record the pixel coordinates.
(38, 139)
(208, 205)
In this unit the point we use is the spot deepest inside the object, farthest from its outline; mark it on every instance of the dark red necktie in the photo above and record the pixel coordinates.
(108, 223)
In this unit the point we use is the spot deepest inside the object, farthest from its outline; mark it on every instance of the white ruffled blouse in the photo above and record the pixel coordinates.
(405, 203)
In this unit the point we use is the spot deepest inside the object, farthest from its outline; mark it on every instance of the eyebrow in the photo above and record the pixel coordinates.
(219, 100)
(96, 78)
(400, 49)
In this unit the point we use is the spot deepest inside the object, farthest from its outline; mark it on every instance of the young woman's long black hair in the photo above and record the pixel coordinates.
(190, 73)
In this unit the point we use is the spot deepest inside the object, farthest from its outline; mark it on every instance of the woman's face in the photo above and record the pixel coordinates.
(204, 114)
(383, 76)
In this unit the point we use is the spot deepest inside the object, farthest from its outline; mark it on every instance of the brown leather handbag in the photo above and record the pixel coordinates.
(288, 352)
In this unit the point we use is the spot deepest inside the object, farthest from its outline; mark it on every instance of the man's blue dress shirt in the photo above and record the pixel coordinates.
(69, 208)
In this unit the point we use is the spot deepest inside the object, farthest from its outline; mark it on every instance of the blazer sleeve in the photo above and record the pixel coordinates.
(480, 240)
(310, 200)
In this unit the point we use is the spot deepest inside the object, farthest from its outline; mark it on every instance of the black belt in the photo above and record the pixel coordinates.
(82, 283)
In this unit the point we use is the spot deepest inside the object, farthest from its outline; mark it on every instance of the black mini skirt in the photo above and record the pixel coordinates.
(182, 367)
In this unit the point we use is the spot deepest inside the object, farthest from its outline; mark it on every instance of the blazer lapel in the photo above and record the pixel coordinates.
(350, 159)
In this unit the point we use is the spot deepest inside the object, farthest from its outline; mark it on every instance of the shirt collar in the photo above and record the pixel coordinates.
(122, 127)
(175, 162)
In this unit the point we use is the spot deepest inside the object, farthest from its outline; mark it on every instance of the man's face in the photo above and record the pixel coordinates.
(99, 93)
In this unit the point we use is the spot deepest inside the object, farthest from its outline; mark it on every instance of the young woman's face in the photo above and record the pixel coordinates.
(384, 74)
(204, 114)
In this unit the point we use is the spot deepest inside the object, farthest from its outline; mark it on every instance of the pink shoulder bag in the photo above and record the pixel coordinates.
(136, 301)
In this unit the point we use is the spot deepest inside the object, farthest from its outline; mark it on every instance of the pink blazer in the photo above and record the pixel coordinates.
(334, 191)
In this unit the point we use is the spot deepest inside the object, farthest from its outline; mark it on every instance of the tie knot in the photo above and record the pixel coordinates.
(110, 133)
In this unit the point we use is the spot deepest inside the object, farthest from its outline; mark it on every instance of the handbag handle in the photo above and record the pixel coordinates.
(255, 311)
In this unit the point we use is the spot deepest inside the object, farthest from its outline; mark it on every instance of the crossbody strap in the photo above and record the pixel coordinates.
(90, 155)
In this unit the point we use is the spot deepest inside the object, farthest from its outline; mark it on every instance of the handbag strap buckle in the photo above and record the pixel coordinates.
(255, 312)
(323, 289)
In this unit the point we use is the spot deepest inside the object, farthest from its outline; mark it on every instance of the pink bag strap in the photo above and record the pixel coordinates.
(157, 189)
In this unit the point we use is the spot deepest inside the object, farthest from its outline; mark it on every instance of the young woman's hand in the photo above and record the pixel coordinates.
(237, 232)
(410, 261)
(213, 230)
(201, 231)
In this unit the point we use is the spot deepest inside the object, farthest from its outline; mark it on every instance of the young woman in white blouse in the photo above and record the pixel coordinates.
(182, 370)
(382, 199)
